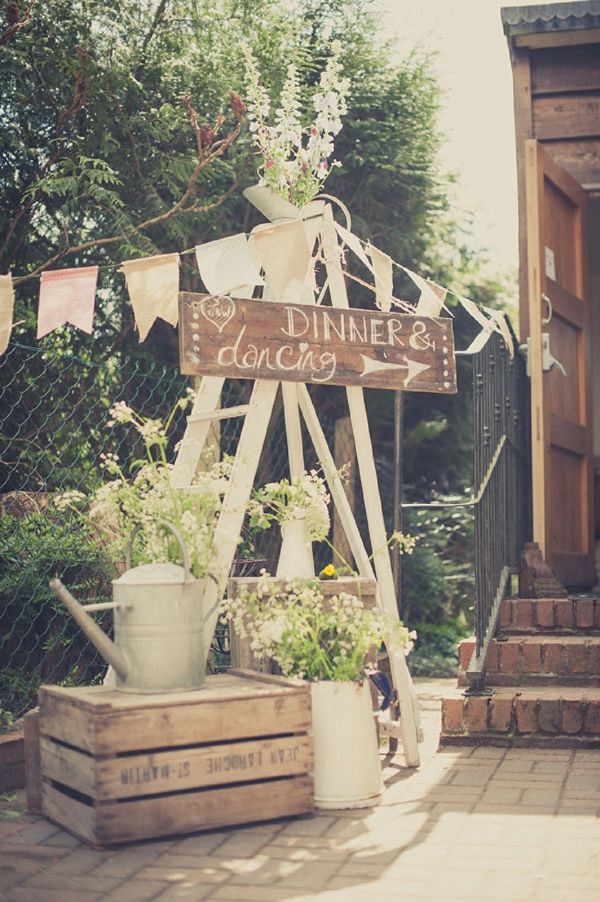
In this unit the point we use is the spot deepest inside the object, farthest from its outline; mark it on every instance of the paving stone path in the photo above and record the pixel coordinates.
(470, 824)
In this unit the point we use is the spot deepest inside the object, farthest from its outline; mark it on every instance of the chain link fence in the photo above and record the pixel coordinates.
(54, 412)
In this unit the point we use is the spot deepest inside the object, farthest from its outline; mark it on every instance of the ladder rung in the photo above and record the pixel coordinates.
(224, 414)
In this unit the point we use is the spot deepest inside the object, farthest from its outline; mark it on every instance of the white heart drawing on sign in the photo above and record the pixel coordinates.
(303, 346)
(218, 310)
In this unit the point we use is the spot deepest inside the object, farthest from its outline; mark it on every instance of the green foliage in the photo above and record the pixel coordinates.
(437, 578)
(436, 650)
(38, 636)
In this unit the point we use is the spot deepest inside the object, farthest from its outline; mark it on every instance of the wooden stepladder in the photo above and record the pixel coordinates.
(283, 364)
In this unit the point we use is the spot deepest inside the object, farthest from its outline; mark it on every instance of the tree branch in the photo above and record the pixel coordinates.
(207, 154)
(15, 22)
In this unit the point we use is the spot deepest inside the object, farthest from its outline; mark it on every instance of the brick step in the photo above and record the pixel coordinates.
(544, 659)
(527, 615)
(563, 717)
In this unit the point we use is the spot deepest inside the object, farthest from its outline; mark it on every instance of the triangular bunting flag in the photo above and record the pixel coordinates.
(7, 301)
(227, 264)
(153, 286)
(354, 244)
(500, 320)
(431, 300)
(384, 277)
(285, 257)
(67, 296)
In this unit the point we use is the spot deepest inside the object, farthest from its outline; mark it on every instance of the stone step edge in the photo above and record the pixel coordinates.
(532, 680)
(549, 613)
(568, 656)
(520, 714)
(512, 740)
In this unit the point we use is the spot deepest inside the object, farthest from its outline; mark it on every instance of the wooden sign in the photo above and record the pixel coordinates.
(248, 339)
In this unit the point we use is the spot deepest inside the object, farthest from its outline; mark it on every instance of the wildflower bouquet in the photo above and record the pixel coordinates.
(295, 158)
(307, 635)
(148, 497)
(306, 497)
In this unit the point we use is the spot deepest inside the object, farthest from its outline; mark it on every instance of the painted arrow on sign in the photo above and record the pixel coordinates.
(376, 366)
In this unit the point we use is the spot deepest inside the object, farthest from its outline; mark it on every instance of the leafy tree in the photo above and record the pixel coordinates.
(121, 139)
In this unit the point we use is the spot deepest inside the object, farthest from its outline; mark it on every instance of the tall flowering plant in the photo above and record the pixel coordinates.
(296, 157)
(147, 496)
(310, 636)
(305, 496)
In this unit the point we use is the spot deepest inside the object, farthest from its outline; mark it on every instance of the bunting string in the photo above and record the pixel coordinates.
(282, 250)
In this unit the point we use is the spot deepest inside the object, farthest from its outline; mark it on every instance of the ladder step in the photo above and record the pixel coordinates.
(224, 413)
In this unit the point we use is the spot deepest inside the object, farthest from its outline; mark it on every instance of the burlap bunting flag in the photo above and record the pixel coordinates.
(153, 286)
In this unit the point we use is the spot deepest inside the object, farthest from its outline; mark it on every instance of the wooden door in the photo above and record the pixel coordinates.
(560, 404)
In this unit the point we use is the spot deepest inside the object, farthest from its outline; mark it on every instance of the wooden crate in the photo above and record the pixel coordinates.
(118, 767)
(241, 653)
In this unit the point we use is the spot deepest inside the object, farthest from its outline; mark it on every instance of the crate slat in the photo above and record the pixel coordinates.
(176, 770)
(102, 721)
(119, 822)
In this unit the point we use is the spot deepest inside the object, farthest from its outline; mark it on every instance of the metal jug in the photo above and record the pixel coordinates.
(159, 625)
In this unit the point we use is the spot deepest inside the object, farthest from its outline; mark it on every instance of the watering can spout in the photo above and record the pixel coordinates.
(104, 645)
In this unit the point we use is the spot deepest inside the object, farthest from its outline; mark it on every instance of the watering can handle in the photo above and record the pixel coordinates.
(178, 536)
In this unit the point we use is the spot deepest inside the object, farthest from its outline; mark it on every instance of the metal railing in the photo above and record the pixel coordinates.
(501, 400)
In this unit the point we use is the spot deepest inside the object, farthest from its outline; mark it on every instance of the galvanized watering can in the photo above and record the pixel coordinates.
(159, 625)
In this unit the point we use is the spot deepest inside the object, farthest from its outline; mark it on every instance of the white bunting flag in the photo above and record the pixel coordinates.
(153, 286)
(285, 256)
(501, 321)
(488, 326)
(432, 297)
(67, 296)
(384, 278)
(227, 264)
(354, 244)
(7, 301)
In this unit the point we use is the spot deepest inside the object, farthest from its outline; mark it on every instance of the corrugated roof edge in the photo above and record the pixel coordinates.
(550, 17)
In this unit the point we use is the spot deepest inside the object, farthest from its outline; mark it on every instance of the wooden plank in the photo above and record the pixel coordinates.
(196, 432)
(344, 452)
(33, 765)
(72, 814)
(566, 305)
(292, 429)
(12, 761)
(581, 159)
(567, 116)
(534, 193)
(386, 590)
(66, 765)
(572, 567)
(209, 809)
(557, 175)
(225, 413)
(237, 708)
(565, 69)
(558, 38)
(335, 484)
(68, 721)
(365, 589)
(561, 405)
(568, 435)
(523, 131)
(101, 699)
(213, 765)
(322, 345)
(191, 724)
(236, 498)
(175, 770)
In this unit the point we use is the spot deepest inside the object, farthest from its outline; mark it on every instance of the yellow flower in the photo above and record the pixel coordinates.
(328, 572)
